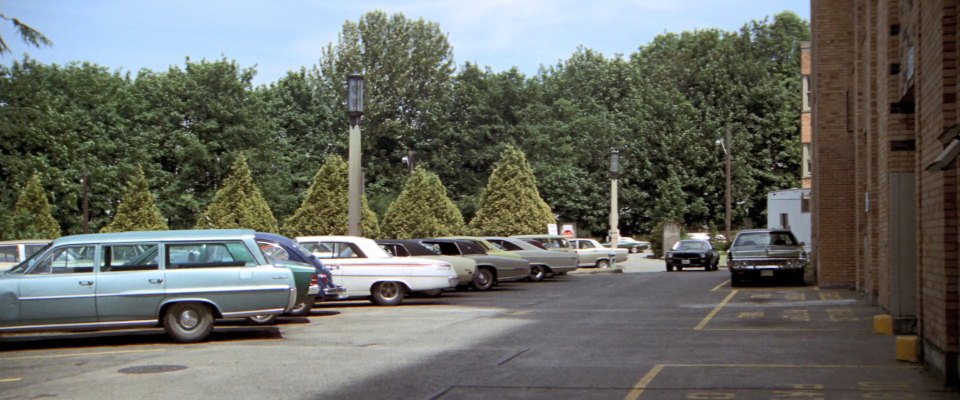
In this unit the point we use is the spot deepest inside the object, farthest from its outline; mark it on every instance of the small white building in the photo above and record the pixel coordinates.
(790, 209)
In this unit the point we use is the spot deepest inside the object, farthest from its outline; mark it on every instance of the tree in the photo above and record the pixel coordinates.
(324, 210)
(29, 35)
(238, 204)
(511, 203)
(138, 210)
(32, 214)
(407, 67)
(422, 210)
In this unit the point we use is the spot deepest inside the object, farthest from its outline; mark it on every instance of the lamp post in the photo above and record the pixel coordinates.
(727, 149)
(355, 188)
(614, 211)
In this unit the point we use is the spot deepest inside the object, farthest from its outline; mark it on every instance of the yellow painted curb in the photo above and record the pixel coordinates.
(907, 348)
(882, 324)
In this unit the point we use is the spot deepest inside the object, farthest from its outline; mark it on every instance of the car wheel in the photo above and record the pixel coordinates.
(302, 309)
(633, 250)
(263, 319)
(387, 293)
(603, 263)
(669, 268)
(679, 268)
(188, 322)
(735, 281)
(536, 273)
(798, 279)
(483, 279)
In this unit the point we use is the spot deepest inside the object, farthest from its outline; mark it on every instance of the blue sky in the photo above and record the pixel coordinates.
(277, 36)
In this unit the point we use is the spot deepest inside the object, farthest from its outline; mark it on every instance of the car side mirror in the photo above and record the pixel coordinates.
(802, 244)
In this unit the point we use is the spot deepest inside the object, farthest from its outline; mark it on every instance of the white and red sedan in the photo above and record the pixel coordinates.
(360, 265)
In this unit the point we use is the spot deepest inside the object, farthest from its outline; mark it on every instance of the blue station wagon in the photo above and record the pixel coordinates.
(181, 280)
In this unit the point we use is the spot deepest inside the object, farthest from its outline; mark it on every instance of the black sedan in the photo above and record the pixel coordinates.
(693, 253)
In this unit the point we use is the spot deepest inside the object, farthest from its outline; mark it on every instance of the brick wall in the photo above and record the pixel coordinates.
(833, 195)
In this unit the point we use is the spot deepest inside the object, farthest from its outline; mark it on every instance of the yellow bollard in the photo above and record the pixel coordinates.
(907, 348)
(882, 324)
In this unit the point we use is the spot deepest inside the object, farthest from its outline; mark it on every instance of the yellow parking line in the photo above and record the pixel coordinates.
(720, 285)
(644, 382)
(6, 380)
(102, 353)
(715, 310)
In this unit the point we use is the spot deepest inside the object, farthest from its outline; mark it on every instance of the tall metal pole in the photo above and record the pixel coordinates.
(355, 190)
(354, 176)
(85, 181)
(614, 209)
(727, 149)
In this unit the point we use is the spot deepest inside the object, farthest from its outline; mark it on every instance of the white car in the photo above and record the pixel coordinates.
(592, 254)
(360, 265)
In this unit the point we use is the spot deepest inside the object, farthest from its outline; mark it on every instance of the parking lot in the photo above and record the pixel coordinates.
(641, 334)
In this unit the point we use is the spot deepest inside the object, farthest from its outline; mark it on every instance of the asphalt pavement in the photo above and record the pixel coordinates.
(642, 333)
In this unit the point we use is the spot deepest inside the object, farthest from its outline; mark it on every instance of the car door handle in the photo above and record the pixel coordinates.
(156, 280)
(86, 283)
(280, 277)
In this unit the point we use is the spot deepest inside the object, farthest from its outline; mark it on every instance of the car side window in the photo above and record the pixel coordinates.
(9, 254)
(209, 255)
(122, 258)
(66, 260)
(587, 245)
(505, 245)
(332, 250)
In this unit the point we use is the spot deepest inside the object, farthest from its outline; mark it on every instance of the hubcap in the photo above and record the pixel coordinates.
(483, 278)
(189, 319)
(389, 290)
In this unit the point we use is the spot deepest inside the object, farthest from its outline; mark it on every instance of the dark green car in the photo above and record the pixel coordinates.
(305, 278)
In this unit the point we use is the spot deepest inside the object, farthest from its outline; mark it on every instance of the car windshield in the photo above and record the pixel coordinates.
(690, 245)
(765, 239)
(26, 264)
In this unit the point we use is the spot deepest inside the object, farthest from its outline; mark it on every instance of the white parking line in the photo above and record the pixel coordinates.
(102, 353)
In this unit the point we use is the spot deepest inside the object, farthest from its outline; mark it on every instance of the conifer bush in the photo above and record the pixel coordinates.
(32, 214)
(324, 211)
(138, 209)
(511, 203)
(238, 204)
(422, 210)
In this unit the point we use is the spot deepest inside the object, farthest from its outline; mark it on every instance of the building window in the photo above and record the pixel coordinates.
(806, 163)
(805, 203)
(806, 93)
(785, 221)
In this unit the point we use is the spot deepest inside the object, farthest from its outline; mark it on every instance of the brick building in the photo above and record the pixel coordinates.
(884, 163)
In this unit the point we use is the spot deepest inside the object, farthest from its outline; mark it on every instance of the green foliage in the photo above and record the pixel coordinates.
(32, 216)
(324, 211)
(29, 35)
(138, 210)
(422, 210)
(511, 203)
(664, 107)
(238, 204)
(407, 67)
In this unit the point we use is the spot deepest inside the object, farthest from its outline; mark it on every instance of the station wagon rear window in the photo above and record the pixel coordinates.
(209, 255)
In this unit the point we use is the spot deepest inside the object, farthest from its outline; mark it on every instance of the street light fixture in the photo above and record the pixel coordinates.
(355, 189)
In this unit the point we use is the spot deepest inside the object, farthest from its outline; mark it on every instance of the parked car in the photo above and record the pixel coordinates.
(360, 265)
(547, 242)
(287, 248)
(491, 269)
(285, 251)
(543, 263)
(758, 253)
(465, 267)
(692, 253)
(13, 252)
(632, 246)
(181, 280)
(592, 254)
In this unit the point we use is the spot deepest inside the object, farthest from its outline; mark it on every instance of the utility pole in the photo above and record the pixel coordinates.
(727, 149)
